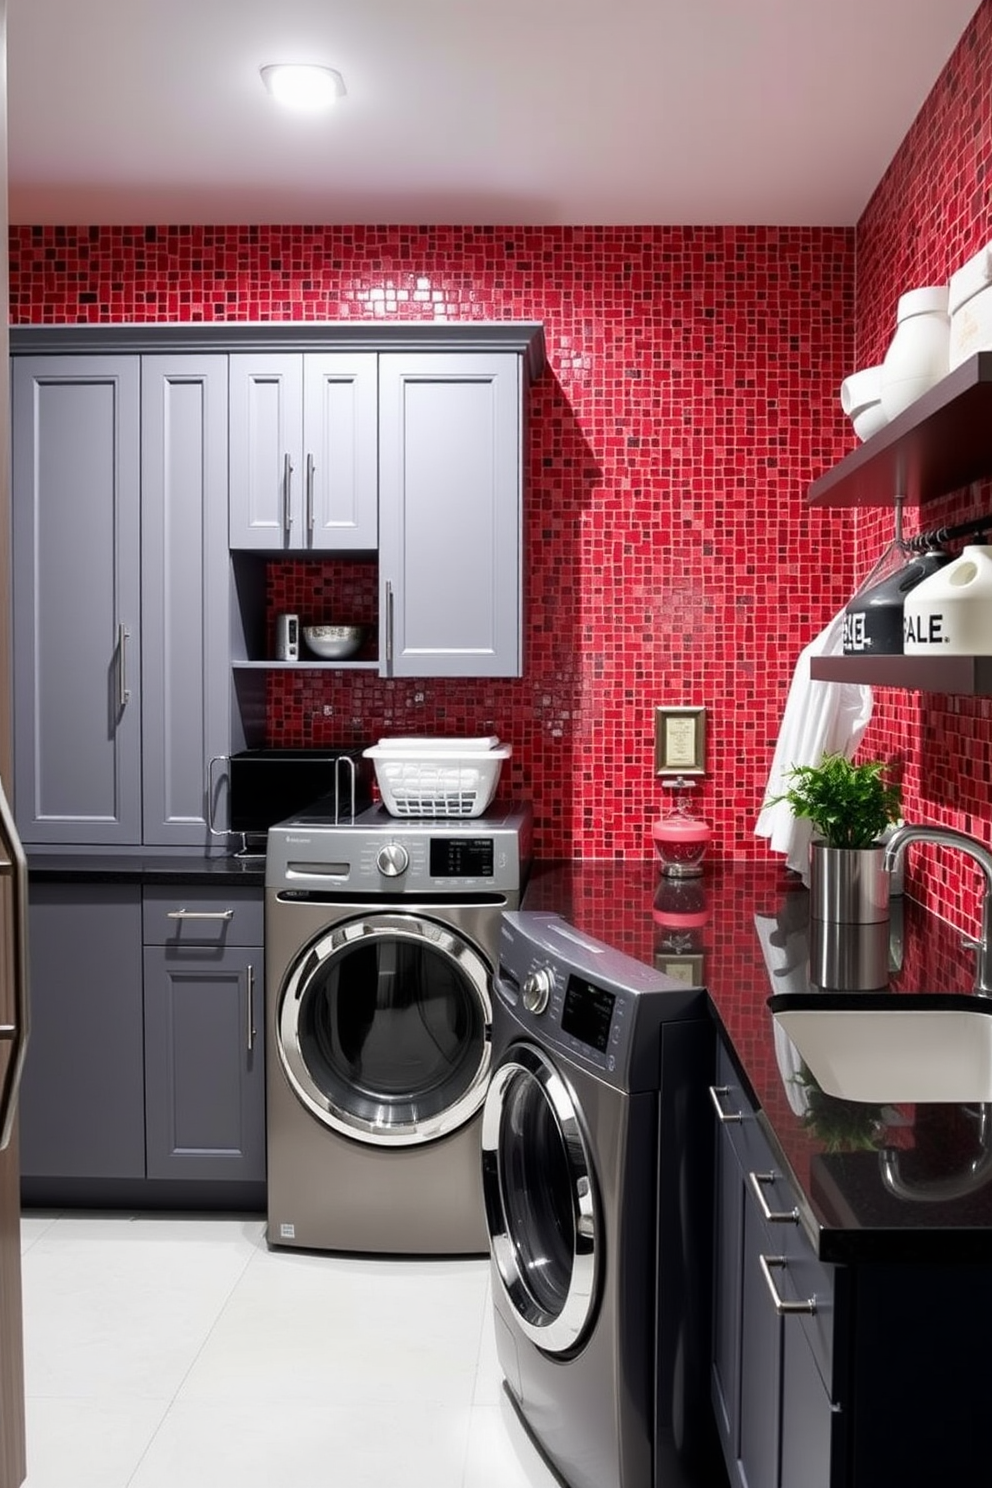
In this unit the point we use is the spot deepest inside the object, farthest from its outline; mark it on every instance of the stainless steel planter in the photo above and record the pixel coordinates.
(848, 885)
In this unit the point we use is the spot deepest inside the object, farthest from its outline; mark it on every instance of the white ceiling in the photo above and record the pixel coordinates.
(467, 111)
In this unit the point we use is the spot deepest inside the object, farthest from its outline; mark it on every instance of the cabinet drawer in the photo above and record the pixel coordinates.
(738, 1117)
(202, 917)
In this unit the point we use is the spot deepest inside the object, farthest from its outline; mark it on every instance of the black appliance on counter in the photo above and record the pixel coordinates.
(269, 785)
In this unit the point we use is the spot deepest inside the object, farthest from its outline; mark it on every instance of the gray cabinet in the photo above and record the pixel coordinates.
(185, 577)
(303, 451)
(145, 1060)
(121, 611)
(450, 514)
(773, 1310)
(204, 1065)
(76, 599)
(82, 1095)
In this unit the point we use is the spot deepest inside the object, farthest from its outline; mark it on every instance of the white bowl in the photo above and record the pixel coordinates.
(334, 642)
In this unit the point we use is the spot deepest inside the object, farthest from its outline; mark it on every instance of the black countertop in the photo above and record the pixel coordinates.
(161, 866)
(872, 1181)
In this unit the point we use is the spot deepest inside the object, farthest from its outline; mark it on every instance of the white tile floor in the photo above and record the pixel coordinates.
(167, 1351)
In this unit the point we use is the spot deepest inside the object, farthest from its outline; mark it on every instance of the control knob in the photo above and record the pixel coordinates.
(537, 988)
(392, 860)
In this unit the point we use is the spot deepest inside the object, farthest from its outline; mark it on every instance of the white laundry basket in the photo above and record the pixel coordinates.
(438, 777)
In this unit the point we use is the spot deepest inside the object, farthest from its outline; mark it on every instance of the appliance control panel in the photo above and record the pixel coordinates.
(591, 1002)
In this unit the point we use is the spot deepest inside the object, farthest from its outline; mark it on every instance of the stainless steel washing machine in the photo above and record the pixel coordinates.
(380, 946)
(597, 1178)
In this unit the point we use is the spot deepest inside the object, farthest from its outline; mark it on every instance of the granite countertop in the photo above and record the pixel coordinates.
(873, 1181)
(161, 866)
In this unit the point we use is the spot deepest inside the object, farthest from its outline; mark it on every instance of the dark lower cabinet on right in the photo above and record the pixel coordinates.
(875, 1373)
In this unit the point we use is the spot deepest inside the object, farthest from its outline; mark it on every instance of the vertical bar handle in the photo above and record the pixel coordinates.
(250, 989)
(287, 497)
(309, 489)
(123, 691)
(15, 919)
(212, 828)
(389, 626)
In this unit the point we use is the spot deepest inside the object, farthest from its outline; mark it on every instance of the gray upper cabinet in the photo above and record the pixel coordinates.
(76, 599)
(450, 514)
(303, 452)
(184, 595)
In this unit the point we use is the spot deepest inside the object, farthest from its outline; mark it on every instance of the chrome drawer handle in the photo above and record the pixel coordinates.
(782, 1307)
(250, 989)
(309, 499)
(287, 483)
(773, 1216)
(200, 914)
(724, 1117)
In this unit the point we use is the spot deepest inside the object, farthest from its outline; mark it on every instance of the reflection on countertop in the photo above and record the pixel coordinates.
(914, 1180)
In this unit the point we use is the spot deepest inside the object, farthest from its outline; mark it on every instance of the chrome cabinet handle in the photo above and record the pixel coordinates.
(123, 691)
(389, 626)
(250, 989)
(15, 867)
(200, 914)
(310, 470)
(782, 1307)
(212, 828)
(773, 1216)
(724, 1117)
(287, 484)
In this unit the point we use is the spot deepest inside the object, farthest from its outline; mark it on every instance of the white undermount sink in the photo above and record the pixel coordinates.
(884, 1048)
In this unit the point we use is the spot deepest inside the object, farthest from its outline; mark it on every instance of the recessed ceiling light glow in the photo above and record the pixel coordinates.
(304, 87)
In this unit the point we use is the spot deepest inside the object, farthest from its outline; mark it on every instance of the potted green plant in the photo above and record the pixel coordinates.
(849, 807)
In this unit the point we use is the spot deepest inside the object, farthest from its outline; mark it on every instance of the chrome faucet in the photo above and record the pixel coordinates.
(948, 837)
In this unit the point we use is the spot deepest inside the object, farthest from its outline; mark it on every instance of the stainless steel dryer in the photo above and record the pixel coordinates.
(380, 946)
(597, 1182)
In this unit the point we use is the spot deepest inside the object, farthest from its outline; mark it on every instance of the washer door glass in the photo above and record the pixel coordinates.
(540, 1200)
(383, 1029)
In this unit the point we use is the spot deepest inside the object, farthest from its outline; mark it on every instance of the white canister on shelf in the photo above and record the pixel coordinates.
(969, 303)
(918, 354)
(950, 614)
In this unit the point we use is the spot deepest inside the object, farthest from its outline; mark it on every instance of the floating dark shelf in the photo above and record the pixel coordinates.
(966, 675)
(940, 443)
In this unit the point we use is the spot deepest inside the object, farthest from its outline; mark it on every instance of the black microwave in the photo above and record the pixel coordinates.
(269, 785)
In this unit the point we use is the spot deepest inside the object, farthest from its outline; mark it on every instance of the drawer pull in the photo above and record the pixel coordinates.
(200, 914)
(782, 1307)
(724, 1117)
(773, 1216)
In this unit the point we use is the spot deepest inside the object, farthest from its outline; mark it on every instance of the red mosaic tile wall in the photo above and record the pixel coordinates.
(930, 213)
(671, 559)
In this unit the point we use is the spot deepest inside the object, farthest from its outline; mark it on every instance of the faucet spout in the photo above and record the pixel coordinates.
(980, 854)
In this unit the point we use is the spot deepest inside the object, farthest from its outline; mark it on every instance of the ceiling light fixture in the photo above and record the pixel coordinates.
(303, 86)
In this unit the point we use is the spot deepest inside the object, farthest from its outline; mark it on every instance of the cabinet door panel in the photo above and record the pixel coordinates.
(204, 1075)
(267, 474)
(450, 515)
(761, 1363)
(82, 1096)
(340, 425)
(185, 578)
(729, 1220)
(807, 1416)
(76, 534)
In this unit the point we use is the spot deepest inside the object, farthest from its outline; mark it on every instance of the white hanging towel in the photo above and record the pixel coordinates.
(820, 718)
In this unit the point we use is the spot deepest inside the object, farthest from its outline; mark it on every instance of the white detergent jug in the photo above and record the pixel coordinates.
(950, 614)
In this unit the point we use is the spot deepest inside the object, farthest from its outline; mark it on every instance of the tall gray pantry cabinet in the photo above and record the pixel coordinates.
(121, 654)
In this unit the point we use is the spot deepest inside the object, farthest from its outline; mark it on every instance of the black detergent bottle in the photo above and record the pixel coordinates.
(873, 618)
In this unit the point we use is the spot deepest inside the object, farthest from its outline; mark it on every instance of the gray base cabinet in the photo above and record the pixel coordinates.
(880, 1379)
(82, 1109)
(204, 1068)
(145, 1059)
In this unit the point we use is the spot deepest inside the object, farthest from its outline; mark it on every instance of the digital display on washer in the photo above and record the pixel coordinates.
(461, 857)
(587, 1013)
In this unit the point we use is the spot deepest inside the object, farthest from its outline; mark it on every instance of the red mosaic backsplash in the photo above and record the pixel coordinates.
(930, 213)
(670, 556)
